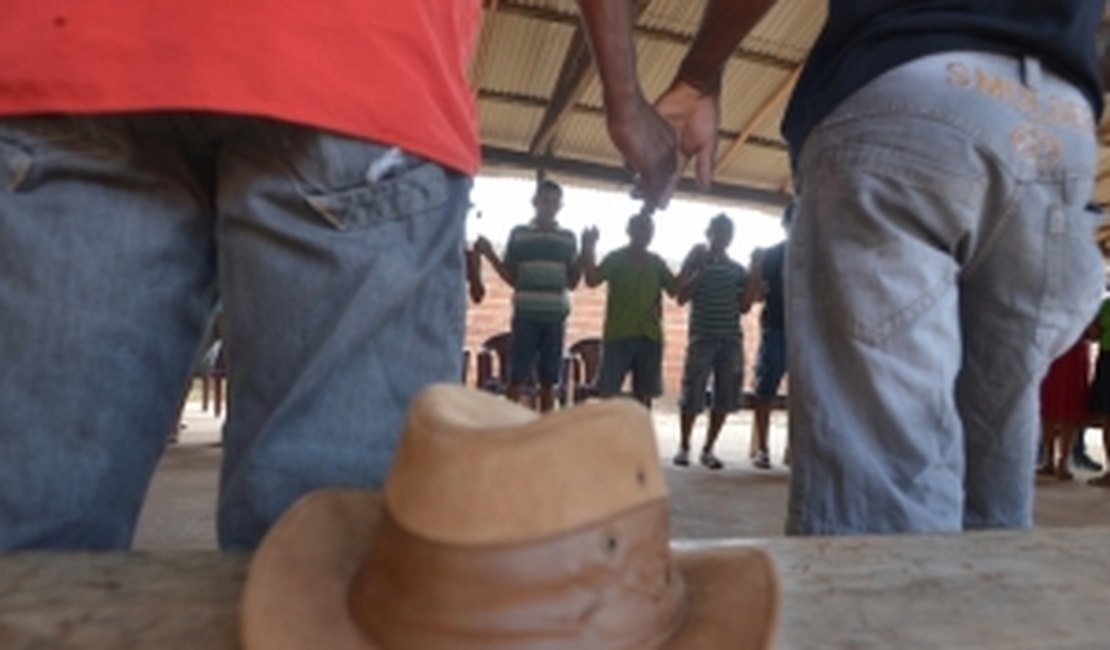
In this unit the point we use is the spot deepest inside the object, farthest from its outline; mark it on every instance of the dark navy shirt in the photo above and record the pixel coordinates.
(864, 38)
(772, 316)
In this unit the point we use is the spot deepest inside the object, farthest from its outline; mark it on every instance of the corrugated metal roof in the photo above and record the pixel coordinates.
(760, 167)
(579, 139)
(747, 89)
(528, 41)
(789, 29)
(680, 15)
(507, 124)
(524, 55)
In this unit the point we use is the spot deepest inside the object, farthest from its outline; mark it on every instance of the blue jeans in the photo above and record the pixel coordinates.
(342, 288)
(943, 256)
(724, 357)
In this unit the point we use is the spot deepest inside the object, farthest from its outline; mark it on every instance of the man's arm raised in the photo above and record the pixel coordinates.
(657, 154)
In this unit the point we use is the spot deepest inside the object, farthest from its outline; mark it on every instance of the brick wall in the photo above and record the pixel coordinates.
(586, 317)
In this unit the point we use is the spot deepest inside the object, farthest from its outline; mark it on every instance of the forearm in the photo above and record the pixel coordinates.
(724, 24)
(609, 24)
(746, 298)
(506, 274)
(587, 265)
(473, 267)
(685, 286)
(574, 275)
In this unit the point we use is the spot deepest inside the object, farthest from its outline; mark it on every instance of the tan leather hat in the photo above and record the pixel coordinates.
(497, 530)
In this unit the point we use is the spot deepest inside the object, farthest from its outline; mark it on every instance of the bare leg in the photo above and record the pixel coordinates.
(547, 398)
(716, 421)
(761, 424)
(1106, 443)
(1065, 440)
(686, 428)
(686, 424)
(1104, 480)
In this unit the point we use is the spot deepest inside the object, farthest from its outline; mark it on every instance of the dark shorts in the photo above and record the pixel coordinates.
(770, 365)
(641, 356)
(721, 357)
(532, 339)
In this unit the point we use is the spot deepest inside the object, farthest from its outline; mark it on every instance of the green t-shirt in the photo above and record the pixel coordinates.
(634, 306)
(542, 261)
(715, 305)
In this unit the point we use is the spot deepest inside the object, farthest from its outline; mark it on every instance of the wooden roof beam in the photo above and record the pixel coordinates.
(746, 133)
(575, 76)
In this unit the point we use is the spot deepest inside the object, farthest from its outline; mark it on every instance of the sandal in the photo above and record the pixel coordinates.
(682, 458)
(761, 461)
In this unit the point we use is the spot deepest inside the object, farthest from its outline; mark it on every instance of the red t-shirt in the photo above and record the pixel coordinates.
(392, 71)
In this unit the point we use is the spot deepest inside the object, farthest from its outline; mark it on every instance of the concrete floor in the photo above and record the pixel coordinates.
(737, 501)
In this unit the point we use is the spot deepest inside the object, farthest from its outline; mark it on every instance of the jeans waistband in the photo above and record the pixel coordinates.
(1013, 105)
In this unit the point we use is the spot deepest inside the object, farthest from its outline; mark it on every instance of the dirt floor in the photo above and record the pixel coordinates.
(737, 501)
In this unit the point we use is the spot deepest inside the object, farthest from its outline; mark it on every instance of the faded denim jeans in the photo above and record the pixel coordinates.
(942, 258)
(340, 269)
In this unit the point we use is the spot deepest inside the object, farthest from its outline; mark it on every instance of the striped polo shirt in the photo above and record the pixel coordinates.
(542, 260)
(715, 305)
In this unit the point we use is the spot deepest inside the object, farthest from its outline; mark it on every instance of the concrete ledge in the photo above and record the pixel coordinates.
(1001, 590)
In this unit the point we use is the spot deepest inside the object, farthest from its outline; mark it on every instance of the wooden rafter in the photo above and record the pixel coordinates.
(768, 106)
(575, 76)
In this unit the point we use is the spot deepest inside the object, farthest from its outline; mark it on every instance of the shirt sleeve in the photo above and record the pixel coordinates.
(741, 277)
(605, 269)
(666, 277)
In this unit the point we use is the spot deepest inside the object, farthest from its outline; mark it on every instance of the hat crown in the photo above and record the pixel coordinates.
(474, 469)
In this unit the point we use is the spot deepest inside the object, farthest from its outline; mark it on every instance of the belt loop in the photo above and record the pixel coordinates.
(1031, 72)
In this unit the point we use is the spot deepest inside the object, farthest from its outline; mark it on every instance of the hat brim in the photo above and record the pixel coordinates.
(296, 590)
